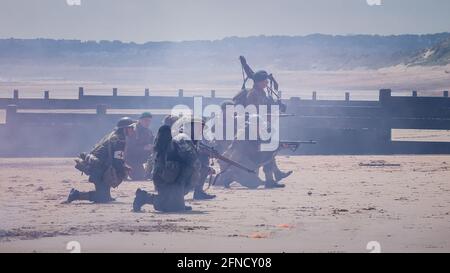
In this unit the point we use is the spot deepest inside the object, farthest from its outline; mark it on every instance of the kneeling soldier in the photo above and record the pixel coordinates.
(105, 164)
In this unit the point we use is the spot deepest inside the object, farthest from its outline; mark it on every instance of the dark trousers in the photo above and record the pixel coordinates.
(137, 171)
(102, 192)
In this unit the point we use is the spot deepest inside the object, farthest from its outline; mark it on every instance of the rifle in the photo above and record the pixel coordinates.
(215, 154)
(293, 145)
(272, 88)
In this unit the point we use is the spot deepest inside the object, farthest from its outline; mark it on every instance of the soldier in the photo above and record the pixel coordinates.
(199, 193)
(107, 157)
(139, 147)
(205, 171)
(257, 96)
(248, 152)
(176, 168)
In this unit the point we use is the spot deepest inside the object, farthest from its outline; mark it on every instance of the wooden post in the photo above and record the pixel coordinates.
(11, 114)
(80, 92)
(147, 92)
(213, 93)
(101, 109)
(46, 95)
(16, 94)
(446, 94)
(385, 95)
(114, 92)
(414, 93)
(347, 96)
(180, 93)
(314, 95)
(384, 131)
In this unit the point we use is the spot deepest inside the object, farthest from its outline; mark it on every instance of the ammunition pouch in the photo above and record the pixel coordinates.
(111, 177)
(167, 171)
(86, 163)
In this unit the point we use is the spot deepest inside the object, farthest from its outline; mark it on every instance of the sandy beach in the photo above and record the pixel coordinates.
(330, 204)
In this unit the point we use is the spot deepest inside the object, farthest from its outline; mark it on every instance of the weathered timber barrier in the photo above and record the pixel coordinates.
(339, 126)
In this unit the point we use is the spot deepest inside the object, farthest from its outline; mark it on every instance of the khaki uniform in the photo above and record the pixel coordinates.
(100, 158)
(136, 154)
(171, 187)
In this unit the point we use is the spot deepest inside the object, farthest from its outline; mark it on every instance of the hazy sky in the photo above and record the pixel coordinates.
(156, 20)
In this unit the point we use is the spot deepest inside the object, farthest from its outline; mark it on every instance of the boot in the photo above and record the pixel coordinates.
(281, 175)
(73, 195)
(142, 198)
(270, 184)
(201, 195)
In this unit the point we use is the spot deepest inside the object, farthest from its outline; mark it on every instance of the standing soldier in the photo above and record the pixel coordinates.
(248, 152)
(257, 96)
(105, 164)
(140, 147)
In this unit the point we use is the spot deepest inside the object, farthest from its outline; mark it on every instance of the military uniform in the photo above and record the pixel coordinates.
(205, 171)
(172, 187)
(247, 152)
(136, 154)
(108, 152)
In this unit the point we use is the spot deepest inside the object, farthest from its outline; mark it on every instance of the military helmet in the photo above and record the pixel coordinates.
(180, 124)
(170, 120)
(125, 122)
(260, 76)
(146, 115)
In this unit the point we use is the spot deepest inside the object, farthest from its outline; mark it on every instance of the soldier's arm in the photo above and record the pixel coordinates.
(118, 153)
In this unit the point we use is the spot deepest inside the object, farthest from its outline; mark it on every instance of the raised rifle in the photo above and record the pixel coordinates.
(293, 145)
(215, 154)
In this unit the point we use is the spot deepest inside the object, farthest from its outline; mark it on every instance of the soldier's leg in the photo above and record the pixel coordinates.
(224, 179)
(279, 175)
(170, 198)
(75, 195)
(137, 171)
(249, 180)
(142, 197)
(102, 193)
(268, 169)
(99, 196)
(199, 193)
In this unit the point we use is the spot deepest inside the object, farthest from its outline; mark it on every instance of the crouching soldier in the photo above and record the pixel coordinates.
(105, 165)
(176, 169)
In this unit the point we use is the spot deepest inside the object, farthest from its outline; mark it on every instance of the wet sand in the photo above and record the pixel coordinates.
(330, 204)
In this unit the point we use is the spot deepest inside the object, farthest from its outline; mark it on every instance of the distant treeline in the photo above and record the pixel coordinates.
(317, 52)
